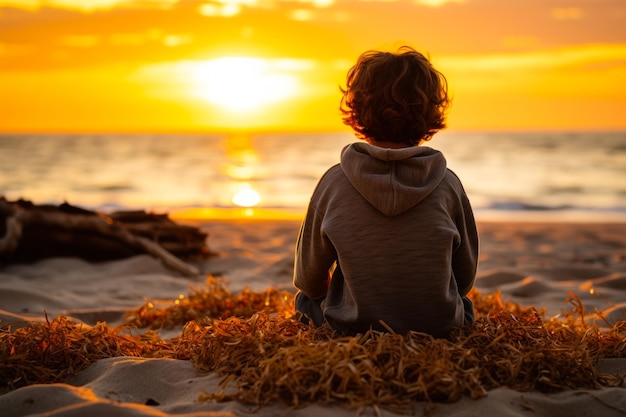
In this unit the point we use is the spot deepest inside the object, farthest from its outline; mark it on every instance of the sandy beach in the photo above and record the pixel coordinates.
(530, 263)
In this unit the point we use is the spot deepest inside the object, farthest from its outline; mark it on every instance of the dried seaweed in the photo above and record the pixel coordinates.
(305, 365)
(52, 351)
(265, 356)
(213, 300)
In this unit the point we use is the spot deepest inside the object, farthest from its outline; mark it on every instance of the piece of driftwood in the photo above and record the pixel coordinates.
(29, 232)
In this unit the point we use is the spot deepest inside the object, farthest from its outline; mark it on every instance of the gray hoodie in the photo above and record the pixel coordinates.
(389, 236)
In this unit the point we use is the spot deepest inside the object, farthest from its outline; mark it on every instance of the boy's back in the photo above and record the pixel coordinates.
(395, 220)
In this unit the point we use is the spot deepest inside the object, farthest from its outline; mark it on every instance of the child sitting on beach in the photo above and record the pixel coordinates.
(389, 240)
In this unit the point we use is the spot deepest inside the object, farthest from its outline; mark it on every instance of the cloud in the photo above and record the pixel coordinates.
(86, 5)
(220, 9)
(302, 15)
(437, 3)
(567, 13)
(552, 58)
(79, 41)
(177, 40)
(127, 39)
(22, 4)
(12, 50)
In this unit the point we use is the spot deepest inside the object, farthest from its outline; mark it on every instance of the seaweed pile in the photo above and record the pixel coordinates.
(264, 355)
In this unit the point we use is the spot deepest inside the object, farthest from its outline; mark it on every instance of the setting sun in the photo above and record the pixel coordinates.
(241, 84)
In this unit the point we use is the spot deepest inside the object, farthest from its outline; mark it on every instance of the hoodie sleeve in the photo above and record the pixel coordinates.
(314, 256)
(465, 257)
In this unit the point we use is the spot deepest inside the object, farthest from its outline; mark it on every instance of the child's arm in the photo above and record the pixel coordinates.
(465, 257)
(314, 257)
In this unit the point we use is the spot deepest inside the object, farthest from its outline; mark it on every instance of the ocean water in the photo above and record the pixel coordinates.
(558, 174)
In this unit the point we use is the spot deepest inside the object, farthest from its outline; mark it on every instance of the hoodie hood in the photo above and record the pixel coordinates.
(393, 180)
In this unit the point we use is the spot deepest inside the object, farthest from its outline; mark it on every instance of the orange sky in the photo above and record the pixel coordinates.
(206, 66)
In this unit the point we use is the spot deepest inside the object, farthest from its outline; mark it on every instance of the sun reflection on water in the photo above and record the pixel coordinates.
(241, 166)
(246, 196)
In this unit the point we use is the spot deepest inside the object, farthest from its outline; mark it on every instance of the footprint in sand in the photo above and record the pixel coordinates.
(529, 287)
(573, 273)
(497, 277)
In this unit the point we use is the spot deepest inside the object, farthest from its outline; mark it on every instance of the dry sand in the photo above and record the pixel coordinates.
(534, 264)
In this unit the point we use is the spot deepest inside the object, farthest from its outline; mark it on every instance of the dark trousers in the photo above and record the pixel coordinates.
(312, 310)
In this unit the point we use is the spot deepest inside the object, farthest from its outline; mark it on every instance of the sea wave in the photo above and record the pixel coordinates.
(539, 172)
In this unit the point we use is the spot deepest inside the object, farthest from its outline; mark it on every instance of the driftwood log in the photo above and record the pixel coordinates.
(29, 232)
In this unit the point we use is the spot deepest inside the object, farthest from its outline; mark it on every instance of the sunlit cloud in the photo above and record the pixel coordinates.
(341, 17)
(322, 3)
(219, 10)
(315, 3)
(239, 2)
(302, 15)
(209, 8)
(247, 32)
(173, 41)
(80, 41)
(431, 3)
(519, 41)
(436, 3)
(224, 8)
(13, 50)
(562, 57)
(154, 34)
(86, 5)
(567, 13)
(151, 35)
(127, 39)
(21, 4)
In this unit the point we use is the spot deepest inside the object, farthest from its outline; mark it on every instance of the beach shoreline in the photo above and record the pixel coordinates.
(202, 215)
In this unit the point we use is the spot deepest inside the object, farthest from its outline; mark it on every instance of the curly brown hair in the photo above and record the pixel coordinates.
(395, 97)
